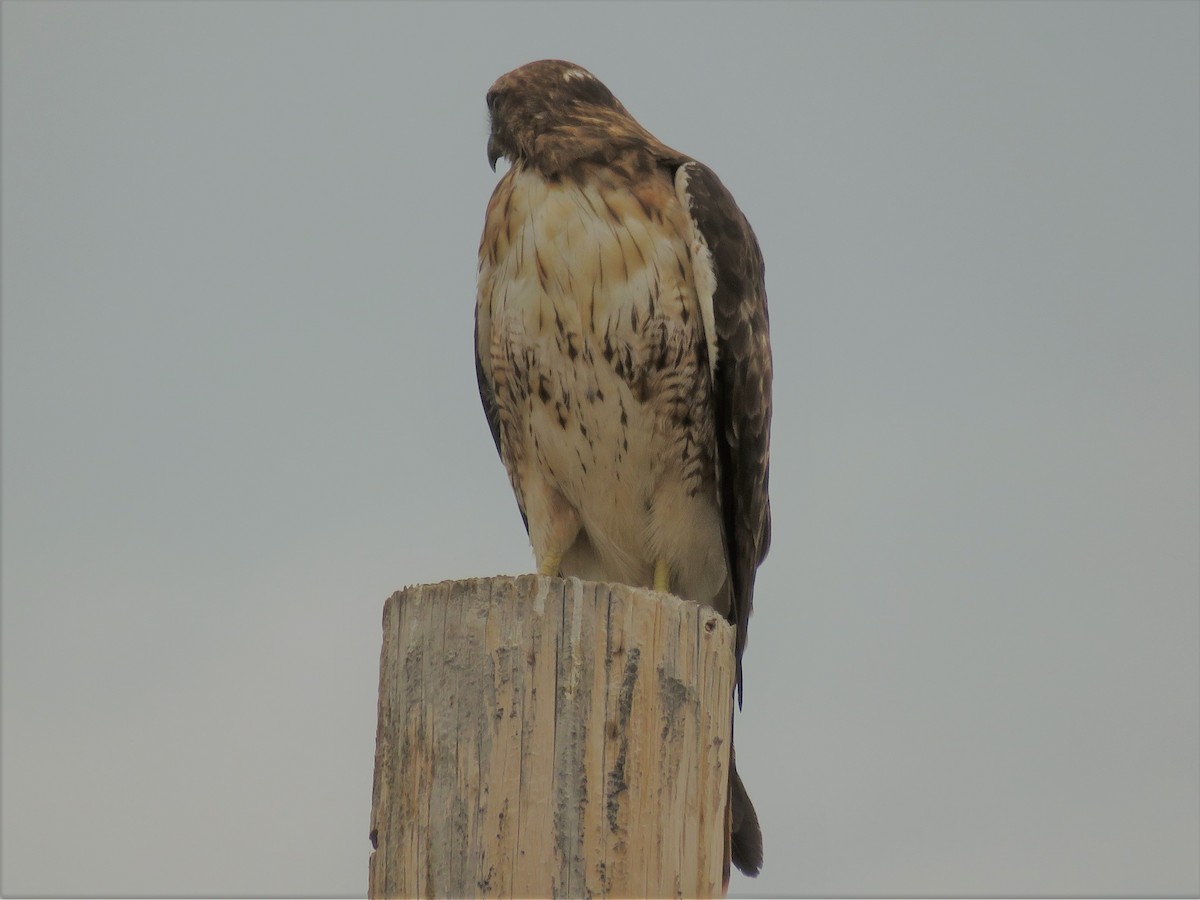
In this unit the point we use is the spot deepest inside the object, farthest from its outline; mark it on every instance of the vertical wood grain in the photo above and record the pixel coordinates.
(544, 737)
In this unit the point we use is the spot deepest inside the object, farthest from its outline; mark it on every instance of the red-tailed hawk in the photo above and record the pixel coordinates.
(623, 356)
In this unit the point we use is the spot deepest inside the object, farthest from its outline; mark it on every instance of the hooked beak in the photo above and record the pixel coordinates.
(494, 152)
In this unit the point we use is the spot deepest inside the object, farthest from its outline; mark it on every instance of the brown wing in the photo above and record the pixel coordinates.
(487, 391)
(483, 340)
(742, 385)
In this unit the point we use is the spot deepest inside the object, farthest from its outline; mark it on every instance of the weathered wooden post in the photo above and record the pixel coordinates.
(544, 737)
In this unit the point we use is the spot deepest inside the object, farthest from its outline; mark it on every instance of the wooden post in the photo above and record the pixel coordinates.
(544, 737)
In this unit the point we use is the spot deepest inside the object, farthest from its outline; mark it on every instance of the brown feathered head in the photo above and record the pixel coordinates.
(551, 113)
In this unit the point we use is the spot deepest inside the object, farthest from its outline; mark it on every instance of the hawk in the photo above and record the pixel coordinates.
(623, 357)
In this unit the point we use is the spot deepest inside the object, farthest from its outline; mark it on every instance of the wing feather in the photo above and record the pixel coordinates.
(487, 390)
(741, 380)
(483, 344)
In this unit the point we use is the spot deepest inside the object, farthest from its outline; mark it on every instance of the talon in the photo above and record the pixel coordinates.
(549, 564)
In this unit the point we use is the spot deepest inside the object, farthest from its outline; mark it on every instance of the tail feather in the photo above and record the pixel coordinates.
(746, 837)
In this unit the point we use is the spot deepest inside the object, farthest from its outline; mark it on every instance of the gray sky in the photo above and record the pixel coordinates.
(239, 410)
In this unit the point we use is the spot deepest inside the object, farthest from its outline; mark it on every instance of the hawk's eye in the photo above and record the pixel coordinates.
(491, 101)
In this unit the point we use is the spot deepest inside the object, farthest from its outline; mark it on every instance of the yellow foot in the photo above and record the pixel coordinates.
(662, 576)
(550, 563)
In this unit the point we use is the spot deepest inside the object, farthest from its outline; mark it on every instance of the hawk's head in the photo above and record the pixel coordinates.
(552, 112)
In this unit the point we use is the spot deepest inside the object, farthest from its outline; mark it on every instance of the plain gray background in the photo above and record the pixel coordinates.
(239, 410)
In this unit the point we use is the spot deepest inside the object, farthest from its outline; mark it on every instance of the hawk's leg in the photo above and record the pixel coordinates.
(549, 564)
(662, 576)
(553, 522)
